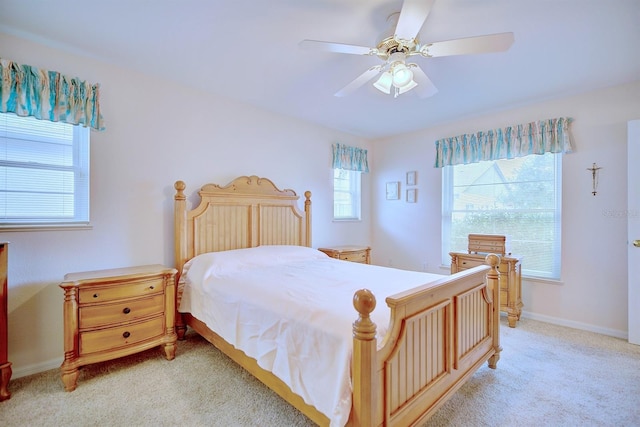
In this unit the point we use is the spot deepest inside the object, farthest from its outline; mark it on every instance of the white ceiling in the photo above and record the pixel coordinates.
(248, 50)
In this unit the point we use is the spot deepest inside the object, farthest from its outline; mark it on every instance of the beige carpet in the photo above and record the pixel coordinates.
(547, 376)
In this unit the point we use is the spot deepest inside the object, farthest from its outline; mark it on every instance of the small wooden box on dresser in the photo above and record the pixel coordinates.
(5, 365)
(361, 254)
(510, 269)
(114, 313)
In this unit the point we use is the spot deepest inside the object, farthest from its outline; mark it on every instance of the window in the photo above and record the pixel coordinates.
(519, 198)
(346, 195)
(44, 173)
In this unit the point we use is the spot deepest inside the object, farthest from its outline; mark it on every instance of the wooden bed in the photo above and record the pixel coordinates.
(438, 336)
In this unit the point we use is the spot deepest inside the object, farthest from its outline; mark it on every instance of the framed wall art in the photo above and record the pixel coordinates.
(393, 190)
(412, 195)
(411, 178)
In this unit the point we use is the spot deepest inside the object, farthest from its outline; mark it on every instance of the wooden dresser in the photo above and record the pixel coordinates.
(5, 365)
(361, 254)
(114, 313)
(510, 270)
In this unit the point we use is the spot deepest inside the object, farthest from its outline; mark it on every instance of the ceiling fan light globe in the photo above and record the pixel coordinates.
(402, 76)
(383, 84)
(407, 87)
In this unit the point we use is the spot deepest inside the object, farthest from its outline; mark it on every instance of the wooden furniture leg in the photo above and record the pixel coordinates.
(5, 376)
(70, 379)
(5, 365)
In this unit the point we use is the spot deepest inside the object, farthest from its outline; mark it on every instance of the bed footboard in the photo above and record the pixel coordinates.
(439, 335)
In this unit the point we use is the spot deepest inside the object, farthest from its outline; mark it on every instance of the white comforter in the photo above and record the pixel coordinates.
(291, 309)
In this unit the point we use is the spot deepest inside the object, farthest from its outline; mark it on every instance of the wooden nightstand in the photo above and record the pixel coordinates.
(114, 313)
(361, 254)
(510, 268)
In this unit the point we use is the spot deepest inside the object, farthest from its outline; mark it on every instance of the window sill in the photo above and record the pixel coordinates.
(45, 227)
(542, 280)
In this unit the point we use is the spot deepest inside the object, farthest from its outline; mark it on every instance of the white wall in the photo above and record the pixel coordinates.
(592, 293)
(157, 132)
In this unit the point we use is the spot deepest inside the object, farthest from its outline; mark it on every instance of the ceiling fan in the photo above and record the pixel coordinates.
(396, 75)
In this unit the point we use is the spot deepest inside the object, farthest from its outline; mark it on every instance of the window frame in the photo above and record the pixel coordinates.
(80, 167)
(447, 211)
(354, 195)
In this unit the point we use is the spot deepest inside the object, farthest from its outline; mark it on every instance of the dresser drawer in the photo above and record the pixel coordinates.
(504, 296)
(93, 316)
(487, 243)
(120, 336)
(354, 256)
(464, 264)
(112, 293)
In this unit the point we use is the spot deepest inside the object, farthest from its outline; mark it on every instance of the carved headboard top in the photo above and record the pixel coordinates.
(251, 185)
(248, 212)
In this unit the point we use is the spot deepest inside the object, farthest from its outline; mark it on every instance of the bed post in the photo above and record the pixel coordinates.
(493, 282)
(364, 361)
(180, 249)
(307, 211)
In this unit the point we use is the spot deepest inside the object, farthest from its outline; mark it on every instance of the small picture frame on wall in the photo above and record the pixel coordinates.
(412, 195)
(411, 178)
(393, 190)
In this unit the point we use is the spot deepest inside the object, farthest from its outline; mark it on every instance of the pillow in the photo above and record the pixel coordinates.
(225, 262)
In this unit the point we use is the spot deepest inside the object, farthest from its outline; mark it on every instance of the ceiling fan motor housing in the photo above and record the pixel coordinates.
(391, 45)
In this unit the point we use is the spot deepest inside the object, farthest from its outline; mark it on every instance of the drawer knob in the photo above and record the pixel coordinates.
(151, 287)
(126, 310)
(95, 295)
(126, 334)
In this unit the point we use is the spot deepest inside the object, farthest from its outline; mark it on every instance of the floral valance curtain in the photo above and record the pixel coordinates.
(48, 95)
(350, 158)
(544, 136)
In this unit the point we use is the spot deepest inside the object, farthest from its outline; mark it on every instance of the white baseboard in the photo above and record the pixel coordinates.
(36, 368)
(576, 325)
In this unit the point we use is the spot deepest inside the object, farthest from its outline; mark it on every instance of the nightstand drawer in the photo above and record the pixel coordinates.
(464, 264)
(106, 314)
(108, 339)
(113, 293)
(354, 256)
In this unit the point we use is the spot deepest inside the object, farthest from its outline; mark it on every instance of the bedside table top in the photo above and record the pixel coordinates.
(345, 248)
(138, 271)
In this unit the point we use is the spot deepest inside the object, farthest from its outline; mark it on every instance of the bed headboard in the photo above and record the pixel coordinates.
(248, 212)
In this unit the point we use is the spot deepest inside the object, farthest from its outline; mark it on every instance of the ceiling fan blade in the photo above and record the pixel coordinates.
(335, 47)
(425, 87)
(359, 81)
(480, 44)
(412, 17)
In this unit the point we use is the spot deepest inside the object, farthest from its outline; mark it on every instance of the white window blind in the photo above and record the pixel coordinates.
(519, 198)
(346, 194)
(44, 172)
